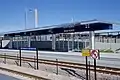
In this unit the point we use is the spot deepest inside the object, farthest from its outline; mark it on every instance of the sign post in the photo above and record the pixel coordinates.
(86, 53)
(95, 55)
(95, 69)
(33, 49)
(86, 68)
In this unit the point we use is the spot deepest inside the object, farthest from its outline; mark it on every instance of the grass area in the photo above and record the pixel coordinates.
(107, 51)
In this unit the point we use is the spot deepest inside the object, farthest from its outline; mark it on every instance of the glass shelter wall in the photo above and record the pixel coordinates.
(63, 42)
(71, 42)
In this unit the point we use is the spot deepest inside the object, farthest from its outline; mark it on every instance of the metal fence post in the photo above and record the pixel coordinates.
(5, 58)
(34, 62)
(57, 66)
(20, 56)
(89, 71)
(17, 60)
(37, 58)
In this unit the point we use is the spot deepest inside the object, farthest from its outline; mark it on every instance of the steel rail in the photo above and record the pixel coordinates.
(100, 69)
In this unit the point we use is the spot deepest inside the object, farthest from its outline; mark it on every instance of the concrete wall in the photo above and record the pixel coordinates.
(113, 46)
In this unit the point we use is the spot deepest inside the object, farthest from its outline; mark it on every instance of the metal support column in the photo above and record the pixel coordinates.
(17, 42)
(85, 44)
(21, 41)
(92, 40)
(59, 42)
(10, 46)
(53, 42)
(63, 41)
(68, 44)
(29, 41)
(78, 43)
(72, 41)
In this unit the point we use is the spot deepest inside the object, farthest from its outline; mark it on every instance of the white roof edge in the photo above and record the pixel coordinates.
(54, 26)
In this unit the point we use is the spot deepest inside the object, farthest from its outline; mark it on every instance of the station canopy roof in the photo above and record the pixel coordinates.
(63, 28)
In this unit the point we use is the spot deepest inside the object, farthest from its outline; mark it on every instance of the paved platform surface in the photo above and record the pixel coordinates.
(110, 55)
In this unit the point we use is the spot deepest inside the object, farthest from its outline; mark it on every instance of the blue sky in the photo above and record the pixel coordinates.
(52, 12)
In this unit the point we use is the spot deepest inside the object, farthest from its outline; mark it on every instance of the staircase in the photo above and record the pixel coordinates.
(5, 43)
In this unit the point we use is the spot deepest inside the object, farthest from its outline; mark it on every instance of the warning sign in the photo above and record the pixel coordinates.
(85, 52)
(95, 54)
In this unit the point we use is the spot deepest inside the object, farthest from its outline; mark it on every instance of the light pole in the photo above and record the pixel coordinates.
(25, 18)
(35, 17)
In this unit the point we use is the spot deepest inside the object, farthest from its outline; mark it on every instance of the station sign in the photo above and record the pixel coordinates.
(28, 48)
(95, 54)
(85, 52)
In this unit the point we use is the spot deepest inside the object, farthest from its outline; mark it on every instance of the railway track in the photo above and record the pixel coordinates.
(100, 69)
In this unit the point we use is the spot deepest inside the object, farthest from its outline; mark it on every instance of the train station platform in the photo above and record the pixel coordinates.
(37, 73)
